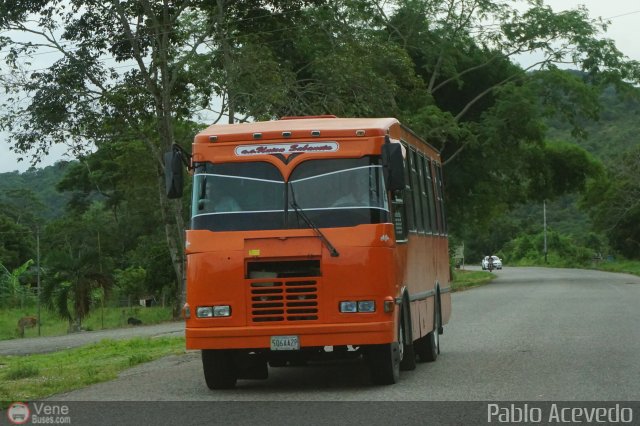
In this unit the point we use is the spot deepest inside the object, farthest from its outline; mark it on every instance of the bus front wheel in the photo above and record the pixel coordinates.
(384, 363)
(408, 354)
(220, 370)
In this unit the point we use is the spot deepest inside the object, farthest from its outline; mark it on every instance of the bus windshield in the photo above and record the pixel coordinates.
(254, 195)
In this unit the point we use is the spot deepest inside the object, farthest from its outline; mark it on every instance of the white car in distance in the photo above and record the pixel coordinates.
(497, 263)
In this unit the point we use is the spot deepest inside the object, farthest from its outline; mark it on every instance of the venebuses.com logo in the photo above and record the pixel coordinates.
(18, 413)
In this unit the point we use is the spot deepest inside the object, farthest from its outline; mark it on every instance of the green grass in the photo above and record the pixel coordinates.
(627, 266)
(52, 325)
(21, 371)
(623, 265)
(25, 378)
(463, 280)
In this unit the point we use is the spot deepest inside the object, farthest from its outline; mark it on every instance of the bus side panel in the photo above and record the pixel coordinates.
(444, 278)
(420, 268)
(445, 300)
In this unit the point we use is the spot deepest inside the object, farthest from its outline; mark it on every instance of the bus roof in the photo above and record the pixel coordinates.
(298, 127)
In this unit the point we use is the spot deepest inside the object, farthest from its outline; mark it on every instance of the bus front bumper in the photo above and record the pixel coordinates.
(309, 335)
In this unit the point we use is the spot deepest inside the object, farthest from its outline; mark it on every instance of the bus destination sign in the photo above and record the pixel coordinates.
(286, 148)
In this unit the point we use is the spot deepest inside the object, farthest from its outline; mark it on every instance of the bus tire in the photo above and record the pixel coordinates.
(428, 347)
(384, 363)
(408, 355)
(219, 368)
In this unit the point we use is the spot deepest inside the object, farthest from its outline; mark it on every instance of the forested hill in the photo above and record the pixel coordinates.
(34, 190)
(615, 132)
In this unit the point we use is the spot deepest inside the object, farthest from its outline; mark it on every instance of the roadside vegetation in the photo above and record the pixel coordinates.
(626, 266)
(610, 264)
(53, 325)
(463, 280)
(25, 378)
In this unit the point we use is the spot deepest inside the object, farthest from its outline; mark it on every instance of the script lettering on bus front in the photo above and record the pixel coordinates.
(286, 148)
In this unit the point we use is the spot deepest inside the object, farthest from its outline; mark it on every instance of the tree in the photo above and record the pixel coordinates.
(130, 282)
(487, 114)
(83, 99)
(12, 291)
(441, 69)
(614, 203)
(16, 243)
(77, 262)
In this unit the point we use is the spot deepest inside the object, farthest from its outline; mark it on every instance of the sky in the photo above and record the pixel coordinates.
(623, 29)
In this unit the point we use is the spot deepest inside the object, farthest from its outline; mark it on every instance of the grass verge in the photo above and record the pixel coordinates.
(626, 266)
(32, 377)
(53, 325)
(463, 280)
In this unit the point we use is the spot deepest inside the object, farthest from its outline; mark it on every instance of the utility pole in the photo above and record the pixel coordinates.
(544, 213)
(38, 266)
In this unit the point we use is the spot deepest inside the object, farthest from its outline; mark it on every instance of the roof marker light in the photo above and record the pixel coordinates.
(257, 135)
(315, 133)
(286, 134)
(213, 138)
(360, 132)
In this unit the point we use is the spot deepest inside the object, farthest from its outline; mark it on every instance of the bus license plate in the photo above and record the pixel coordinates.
(285, 343)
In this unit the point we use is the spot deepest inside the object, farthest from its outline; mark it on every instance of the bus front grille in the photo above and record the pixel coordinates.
(284, 300)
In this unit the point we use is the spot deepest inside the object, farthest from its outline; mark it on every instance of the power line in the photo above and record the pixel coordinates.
(623, 14)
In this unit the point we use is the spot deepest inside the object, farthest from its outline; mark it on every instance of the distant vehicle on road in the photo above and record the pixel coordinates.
(497, 263)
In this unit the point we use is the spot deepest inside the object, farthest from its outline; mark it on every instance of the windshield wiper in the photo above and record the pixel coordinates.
(310, 224)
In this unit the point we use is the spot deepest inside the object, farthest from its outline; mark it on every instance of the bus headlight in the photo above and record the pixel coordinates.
(222, 311)
(348, 306)
(213, 311)
(204, 311)
(366, 306)
(352, 306)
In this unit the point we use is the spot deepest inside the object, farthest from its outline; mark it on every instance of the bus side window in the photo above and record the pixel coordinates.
(424, 194)
(399, 202)
(431, 197)
(440, 189)
(416, 191)
(399, 217)
(408, 194)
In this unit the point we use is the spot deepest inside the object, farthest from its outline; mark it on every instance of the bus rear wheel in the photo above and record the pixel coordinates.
(220, 371)
(428, 347)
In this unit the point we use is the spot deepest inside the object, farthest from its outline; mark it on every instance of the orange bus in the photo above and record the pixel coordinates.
(313, 237)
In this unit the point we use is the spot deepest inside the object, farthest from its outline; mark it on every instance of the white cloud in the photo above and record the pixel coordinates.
(9, 160)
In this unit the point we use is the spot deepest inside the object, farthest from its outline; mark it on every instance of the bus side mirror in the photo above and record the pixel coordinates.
(173, 173)
(393, 166)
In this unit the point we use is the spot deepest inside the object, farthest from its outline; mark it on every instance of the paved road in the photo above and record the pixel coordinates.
(33, 345)
(533, 334)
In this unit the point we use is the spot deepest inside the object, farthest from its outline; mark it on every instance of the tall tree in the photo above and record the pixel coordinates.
(614, 203)
(78, 262)
(17, 242)
(126, 69)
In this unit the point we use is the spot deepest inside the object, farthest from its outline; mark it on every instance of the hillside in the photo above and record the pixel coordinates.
(616, 130)
(35, 189)
(608, 139)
